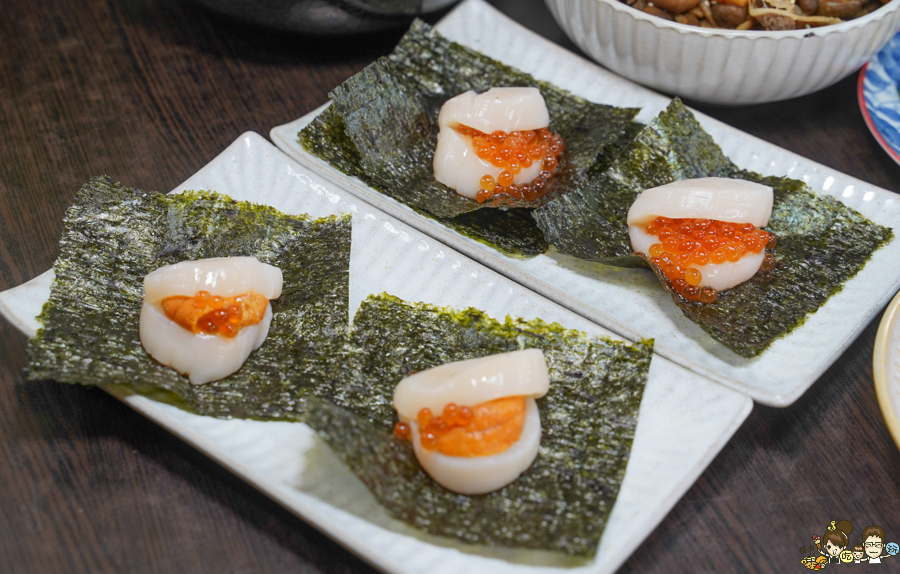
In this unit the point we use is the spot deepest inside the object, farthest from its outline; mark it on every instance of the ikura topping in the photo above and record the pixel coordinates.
(757, 14)
(482, 430)
(497, 142)
(687, 245)
(215, 315)
(474, 425)
(703, 234)
(513, 152)
(208, 335)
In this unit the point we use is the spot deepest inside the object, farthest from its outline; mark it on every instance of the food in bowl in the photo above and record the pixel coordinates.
(757, 14)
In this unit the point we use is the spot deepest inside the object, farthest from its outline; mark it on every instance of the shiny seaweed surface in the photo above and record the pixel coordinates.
(589, 222)
(585, 217)
(115, 235)
(589, 417)
(382, 128)
(315, 367)
(821, 242)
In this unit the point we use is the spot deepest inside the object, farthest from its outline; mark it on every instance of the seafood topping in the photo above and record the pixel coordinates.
(703, 234)
(497, 142)
(487, 430)
(214, 314)
(204, 318)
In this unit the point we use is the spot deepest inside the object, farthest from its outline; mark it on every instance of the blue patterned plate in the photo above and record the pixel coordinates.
(879, 99)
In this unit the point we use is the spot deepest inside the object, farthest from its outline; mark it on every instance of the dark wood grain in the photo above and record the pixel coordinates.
(148, 91)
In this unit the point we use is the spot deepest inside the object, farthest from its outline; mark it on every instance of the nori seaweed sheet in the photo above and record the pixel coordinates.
(313, 367)
(821, 242)
(511, 230)
(589, 222)
(382, 124)
(588, 418)
(115, 235)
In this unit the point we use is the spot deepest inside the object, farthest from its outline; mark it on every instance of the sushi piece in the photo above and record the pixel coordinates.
(488, 430)
(496, 142)
(704, 234)
(203, 318)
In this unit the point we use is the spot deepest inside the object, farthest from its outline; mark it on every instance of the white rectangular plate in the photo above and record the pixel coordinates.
(631, 302)
(684, 421)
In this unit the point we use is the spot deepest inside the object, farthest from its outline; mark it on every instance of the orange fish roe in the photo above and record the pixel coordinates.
(402, 431)
(513, 152)
(686, 244)
(212, 314)
(485, 429)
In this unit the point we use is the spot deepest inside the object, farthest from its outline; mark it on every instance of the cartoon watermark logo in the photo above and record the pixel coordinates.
(831, 548)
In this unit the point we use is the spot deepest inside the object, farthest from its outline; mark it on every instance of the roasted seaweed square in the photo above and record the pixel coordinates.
(589, 418)
(604, 173)
(589, 222)
(821, 242)
(382, 128)
(115, 235)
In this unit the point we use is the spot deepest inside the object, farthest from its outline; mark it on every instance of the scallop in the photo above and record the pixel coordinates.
(205, 357)
(499, 109)
(472, 382)
(721, 199)
(483, 474)
(225, 276)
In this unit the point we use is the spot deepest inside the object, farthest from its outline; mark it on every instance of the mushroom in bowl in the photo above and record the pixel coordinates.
(722, 65)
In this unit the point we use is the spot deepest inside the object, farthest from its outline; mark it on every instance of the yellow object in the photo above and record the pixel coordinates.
(887, 380)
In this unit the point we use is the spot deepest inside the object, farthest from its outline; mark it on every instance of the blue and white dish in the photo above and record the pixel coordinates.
(879, 99)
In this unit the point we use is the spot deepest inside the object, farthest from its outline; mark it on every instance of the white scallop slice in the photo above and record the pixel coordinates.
(472, 382)
(200, 356)
(730, 200)
(457, 166)
(719, 276)
(506, 109)
(721, 199)
(203, 358)
(483, 474)
(223, 276)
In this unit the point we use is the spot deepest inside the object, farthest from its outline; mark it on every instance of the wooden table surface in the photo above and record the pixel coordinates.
(148, 91)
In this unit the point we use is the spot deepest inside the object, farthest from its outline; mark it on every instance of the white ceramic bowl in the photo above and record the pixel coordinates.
(727, 67)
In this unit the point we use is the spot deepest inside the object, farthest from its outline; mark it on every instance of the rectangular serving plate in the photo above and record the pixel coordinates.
(631, 302)
(684, 420)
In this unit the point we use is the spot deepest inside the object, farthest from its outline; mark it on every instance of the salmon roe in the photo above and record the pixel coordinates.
(512, 152)
(402, 431)
(485, 429)
(686, 244)
(215, 315)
